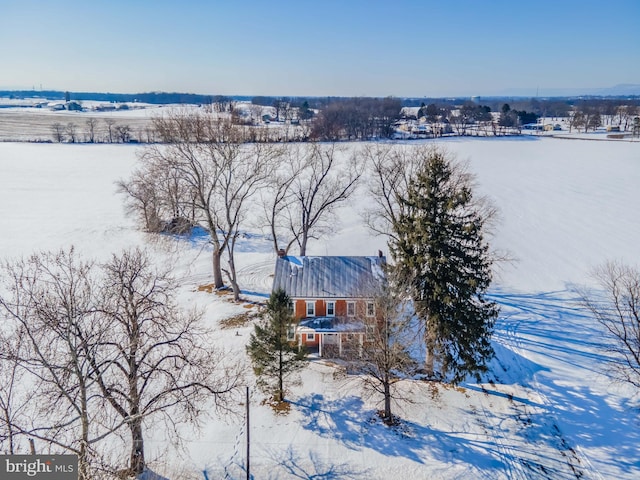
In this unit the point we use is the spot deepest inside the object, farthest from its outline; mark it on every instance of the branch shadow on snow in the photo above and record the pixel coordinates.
(549, 325)
(596, 424)
(548, 343)
(292, 463)
(247, 242)
(348, 422)
(532, 434)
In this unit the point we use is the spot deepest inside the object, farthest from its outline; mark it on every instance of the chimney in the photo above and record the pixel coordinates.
(379, 253)
(282, 253)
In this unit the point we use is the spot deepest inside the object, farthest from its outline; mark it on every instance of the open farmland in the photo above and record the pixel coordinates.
(547, 410)
(36, 125)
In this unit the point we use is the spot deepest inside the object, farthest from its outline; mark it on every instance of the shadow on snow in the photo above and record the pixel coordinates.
(348, 422)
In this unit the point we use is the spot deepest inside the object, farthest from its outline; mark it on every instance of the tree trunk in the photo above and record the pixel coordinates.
(303, 244)
(83, 461)
(276, 248)
(217, 269)
(83, 464)
(387, 403)
(280, 375)
(9, 426)
(429, 356)
(136, 461)
(234, 279)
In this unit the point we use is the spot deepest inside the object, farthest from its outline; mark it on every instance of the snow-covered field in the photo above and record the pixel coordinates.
(545, 411)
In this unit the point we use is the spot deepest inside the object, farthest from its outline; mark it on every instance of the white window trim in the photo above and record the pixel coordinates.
(313, 304)
(354, 309)
(311, 337)
(373, 314)
(333, 304)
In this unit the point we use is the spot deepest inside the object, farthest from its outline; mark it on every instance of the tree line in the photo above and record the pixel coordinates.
(94, 130)
(364, 118)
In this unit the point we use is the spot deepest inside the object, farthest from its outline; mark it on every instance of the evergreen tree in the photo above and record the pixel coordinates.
(422, 111)
(440, 251)
(433, 113)
(273, 356)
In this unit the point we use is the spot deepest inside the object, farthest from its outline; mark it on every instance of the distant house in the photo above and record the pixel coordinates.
(410, 113)
(109, 107)
(332, 300)
(74, 106)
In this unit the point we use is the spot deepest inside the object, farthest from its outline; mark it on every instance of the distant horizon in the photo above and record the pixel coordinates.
(374, 48)
(619, 90)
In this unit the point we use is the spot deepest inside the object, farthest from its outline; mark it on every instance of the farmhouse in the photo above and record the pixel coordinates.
(332, 300)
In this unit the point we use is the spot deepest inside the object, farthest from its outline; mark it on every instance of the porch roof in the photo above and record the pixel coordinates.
(332, 325)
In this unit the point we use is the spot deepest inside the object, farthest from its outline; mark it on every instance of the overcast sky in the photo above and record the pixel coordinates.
(322, 47)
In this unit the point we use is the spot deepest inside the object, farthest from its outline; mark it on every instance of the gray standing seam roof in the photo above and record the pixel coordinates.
(328, 277)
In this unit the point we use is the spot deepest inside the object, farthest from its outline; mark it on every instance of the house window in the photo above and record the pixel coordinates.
(331, 309)
(311, 337)
(311, 309)
(291, 307)
(371, 309)
(291, 332)
(351, 309)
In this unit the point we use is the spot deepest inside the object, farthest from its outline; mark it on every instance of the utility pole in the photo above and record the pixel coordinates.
(248, 434)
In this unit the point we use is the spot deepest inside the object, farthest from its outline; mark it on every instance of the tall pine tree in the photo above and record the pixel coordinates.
(439, 250)
(273, 356)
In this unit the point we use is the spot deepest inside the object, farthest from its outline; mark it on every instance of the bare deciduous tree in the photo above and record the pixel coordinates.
(278, 199)
(392, 167)
(57, 130)
(322, 185)
(91, 124)
(71, 132)
(142, 198)
(386, 358)
(618, 311)
(211, 173)
(50, 305)
(105, 349)
(157, 360)
(109, 123)
(124, 133)
(13, 400)
(244, 170)
(185, 154)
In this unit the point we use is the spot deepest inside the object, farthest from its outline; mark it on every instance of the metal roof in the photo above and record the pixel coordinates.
(328, 277)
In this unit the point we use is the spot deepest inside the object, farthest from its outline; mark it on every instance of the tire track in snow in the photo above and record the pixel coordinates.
(508, 455)
(577, 462)
(256, 278)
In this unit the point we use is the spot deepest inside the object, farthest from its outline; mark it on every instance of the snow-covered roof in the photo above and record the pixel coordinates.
(328, 277)
(332, 324)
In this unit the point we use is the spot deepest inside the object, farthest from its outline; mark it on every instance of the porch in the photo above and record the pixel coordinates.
(332, 337)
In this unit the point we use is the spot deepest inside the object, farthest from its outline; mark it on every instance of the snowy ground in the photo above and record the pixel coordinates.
(545, 411)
